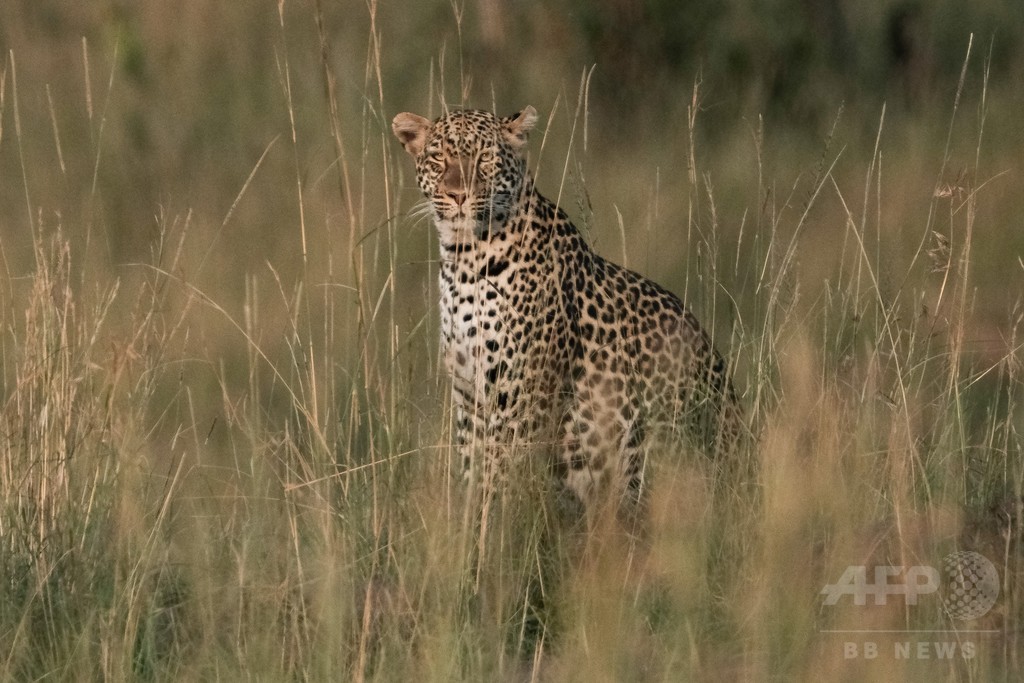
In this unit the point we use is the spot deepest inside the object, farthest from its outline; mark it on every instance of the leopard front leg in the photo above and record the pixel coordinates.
(477, 448)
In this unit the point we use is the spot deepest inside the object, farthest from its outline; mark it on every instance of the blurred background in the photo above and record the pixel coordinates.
(187, 95)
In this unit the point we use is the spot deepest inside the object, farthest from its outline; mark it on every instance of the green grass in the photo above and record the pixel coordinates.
(225, 435)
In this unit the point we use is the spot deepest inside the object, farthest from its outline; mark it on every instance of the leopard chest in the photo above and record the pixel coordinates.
(478, 321)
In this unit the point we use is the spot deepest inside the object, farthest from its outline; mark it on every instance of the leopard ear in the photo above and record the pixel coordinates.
(411, 130)
(517, 127)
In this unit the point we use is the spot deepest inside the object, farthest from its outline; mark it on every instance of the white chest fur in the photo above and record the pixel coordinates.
(474, 315)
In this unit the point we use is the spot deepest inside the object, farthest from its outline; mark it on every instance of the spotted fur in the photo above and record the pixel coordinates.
(545, 341)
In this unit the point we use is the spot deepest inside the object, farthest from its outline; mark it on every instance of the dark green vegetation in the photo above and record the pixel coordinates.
(224, 449)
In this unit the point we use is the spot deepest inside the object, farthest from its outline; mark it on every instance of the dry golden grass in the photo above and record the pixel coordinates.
(225, 451)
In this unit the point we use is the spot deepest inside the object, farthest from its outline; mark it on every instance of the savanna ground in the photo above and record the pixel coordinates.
(225, 443)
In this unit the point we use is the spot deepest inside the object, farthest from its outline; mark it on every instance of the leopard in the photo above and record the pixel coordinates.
(550, 347)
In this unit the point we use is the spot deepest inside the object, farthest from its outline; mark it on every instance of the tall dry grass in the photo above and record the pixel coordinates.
(230, 457)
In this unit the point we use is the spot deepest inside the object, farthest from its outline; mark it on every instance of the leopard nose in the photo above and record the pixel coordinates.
(458, 195)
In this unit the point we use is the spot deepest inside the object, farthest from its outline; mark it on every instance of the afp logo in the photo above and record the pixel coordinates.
(968, 584)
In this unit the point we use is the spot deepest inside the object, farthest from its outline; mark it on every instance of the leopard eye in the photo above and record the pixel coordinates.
(487, 157)
(434, 155)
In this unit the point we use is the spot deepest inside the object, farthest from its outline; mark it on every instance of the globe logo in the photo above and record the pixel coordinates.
(970, 585)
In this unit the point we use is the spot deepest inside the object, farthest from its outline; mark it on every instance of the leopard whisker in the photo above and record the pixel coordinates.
(422, 210)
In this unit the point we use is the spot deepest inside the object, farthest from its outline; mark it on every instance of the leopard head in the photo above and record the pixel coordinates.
(469, 165)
